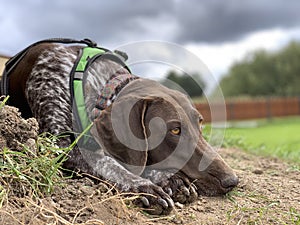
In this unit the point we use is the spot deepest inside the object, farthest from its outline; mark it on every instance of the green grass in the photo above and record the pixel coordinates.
(30, 172)
(279, 137)
(33, 172)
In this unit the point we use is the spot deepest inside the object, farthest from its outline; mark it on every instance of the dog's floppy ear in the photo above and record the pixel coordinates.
(121, 131)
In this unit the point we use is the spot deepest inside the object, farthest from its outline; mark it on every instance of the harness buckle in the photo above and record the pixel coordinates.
(89, 42)
(121, 54)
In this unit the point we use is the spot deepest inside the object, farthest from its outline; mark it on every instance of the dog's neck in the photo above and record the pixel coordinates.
(105, 79)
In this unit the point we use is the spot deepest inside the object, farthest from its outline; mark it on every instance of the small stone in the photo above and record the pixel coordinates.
(200, 208)
(179, 221)
(86, 190)
(32, 145)
(179, 205)
(103, 188)
(203, 200)
(257, 171)
(194, 207)
(67, 202)
(209, 209)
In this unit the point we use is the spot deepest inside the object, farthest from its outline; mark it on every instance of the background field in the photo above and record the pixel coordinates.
(278, 137)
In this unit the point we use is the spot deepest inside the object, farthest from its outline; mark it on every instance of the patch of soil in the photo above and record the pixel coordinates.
(76, 201)
(268, 193)
(16, 131)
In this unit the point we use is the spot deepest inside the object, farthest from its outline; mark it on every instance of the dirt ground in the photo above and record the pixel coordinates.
(268, 193)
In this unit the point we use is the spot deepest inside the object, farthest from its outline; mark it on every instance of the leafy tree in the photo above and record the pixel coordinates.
(192, 84)
(263, 73)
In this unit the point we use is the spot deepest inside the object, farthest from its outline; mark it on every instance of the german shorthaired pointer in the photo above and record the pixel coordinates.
(150, 138)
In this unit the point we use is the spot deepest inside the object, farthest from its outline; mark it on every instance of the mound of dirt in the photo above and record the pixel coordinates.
(268, 193)
(16, 131)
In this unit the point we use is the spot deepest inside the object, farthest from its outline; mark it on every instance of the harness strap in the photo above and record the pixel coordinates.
(86, 57)
(76, 85)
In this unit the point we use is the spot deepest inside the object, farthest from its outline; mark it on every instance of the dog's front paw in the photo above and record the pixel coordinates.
(177, 185)
(180, 188)
(153, 199)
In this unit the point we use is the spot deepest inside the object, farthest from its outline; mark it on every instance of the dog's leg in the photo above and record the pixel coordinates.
(177, 185)
(153, 198)
(47, 90)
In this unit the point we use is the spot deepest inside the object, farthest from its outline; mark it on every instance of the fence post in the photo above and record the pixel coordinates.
(299, 104)
(231, 108)
(269, 108)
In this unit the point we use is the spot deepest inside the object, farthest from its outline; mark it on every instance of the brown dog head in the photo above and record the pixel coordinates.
(152, 126)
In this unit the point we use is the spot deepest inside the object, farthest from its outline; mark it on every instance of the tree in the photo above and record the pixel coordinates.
(263, 73)
(192, 84)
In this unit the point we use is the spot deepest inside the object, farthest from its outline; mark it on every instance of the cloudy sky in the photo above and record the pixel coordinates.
(218, 32)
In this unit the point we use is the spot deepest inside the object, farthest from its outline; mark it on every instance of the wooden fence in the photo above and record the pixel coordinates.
(250, 109)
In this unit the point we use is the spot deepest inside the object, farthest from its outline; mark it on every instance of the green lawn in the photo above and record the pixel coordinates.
(279, 137)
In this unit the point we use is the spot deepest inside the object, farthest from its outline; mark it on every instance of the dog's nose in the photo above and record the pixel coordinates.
(230, 181)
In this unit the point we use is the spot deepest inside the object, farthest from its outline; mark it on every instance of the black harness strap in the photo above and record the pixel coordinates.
(12, 62)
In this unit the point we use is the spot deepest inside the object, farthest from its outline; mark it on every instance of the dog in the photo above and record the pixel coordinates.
(149, 137)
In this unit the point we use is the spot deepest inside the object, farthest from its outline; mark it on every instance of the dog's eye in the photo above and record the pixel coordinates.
(200, 123)
(176, 131)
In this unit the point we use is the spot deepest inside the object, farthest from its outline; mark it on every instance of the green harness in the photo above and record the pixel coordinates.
(86, 57)
(76, 83)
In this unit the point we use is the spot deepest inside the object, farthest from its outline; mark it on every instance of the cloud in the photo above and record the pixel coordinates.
(106, 22)
(221, 21)
(121, 21)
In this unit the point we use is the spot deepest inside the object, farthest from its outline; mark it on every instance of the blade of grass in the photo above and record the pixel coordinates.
(4, 101)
